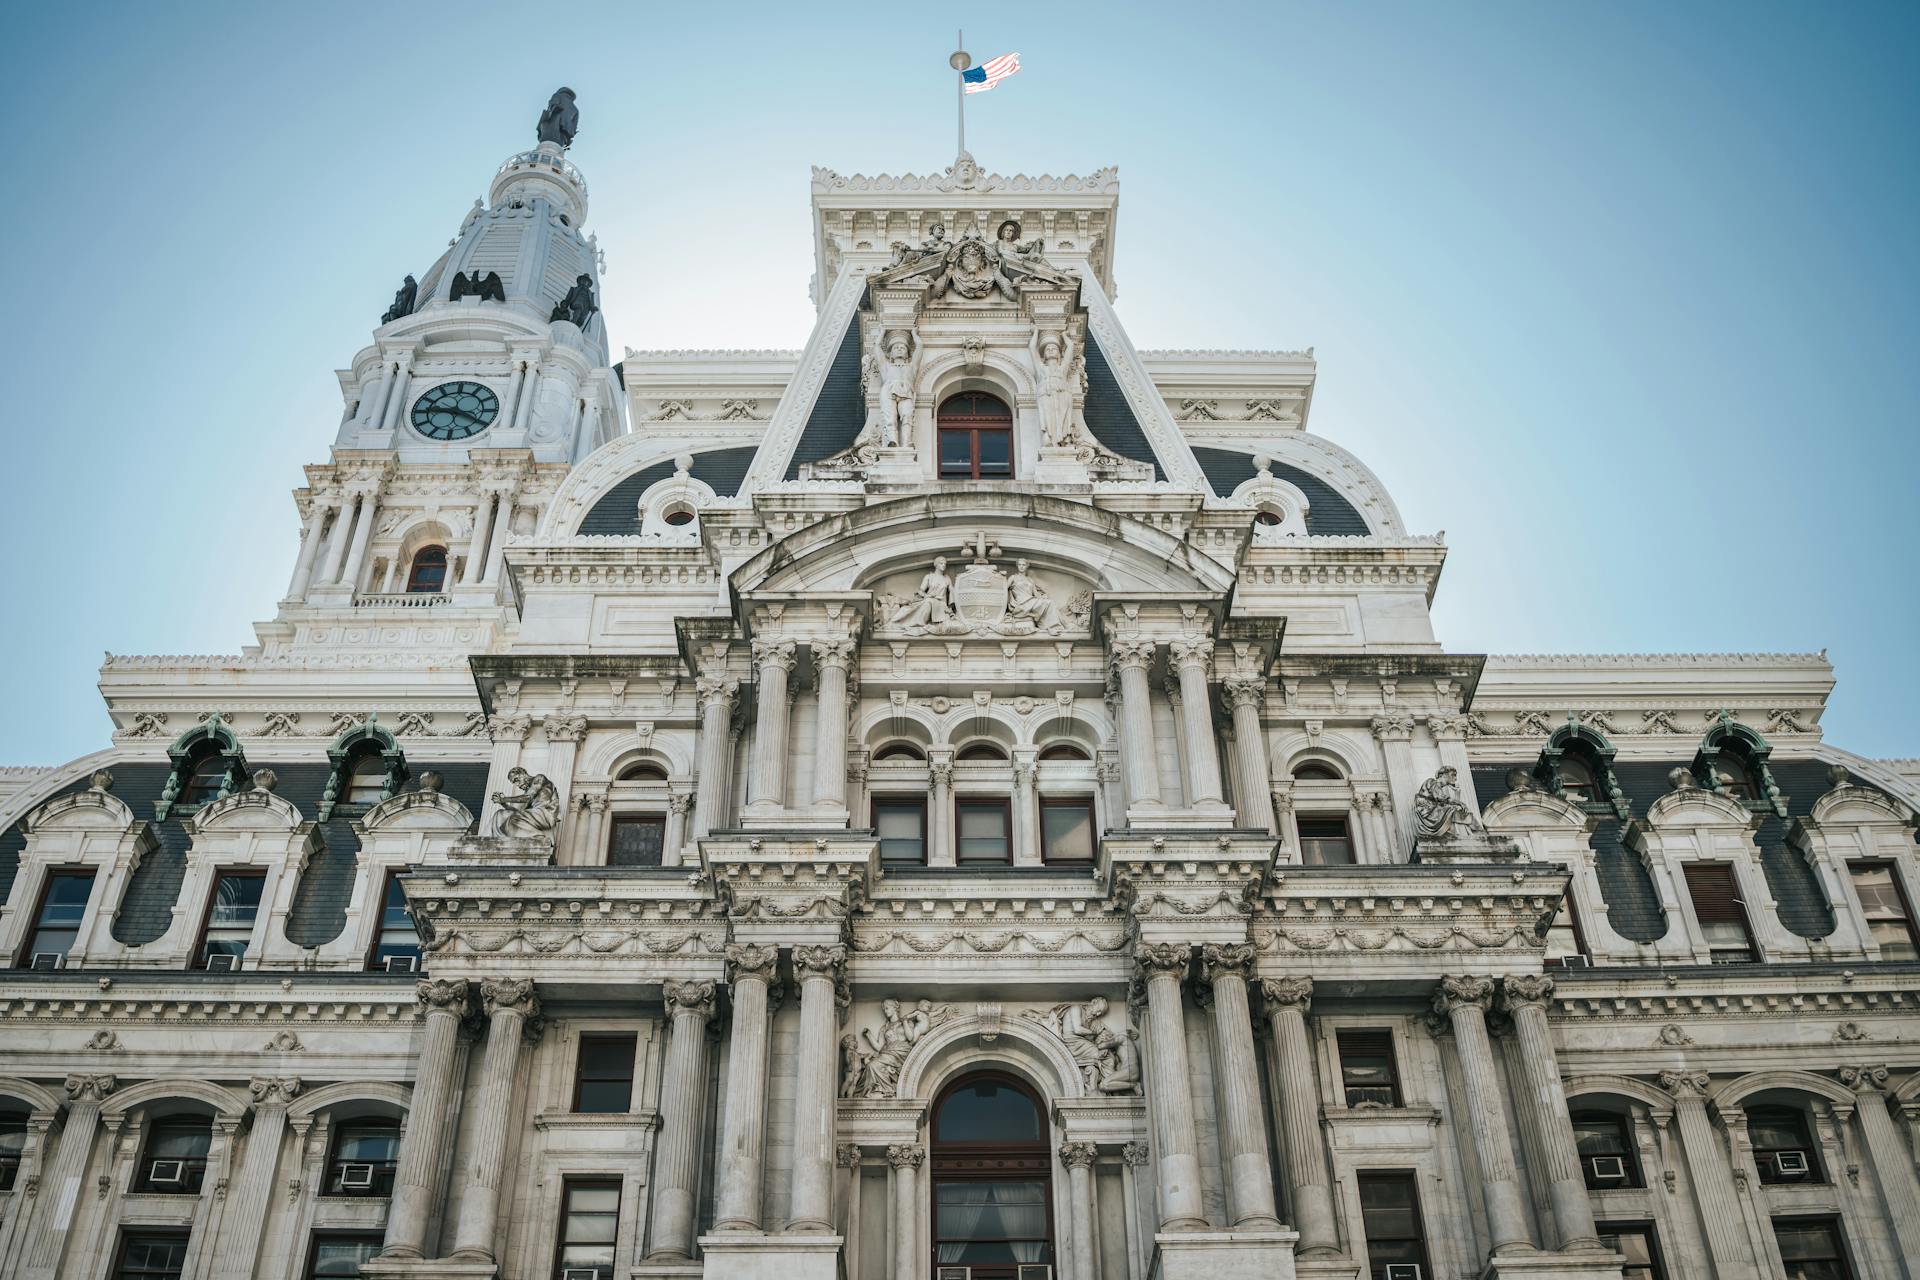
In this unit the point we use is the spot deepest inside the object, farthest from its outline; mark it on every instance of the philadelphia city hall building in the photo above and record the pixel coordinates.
(969, 799)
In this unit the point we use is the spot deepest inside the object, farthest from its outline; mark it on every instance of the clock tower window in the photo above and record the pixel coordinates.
(428, 572)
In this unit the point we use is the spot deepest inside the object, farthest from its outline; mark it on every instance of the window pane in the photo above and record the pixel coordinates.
(341, 1256)
(1598, 1136)
(996, 453)
(1067, 830)
(900, 826)
(636, 842)
(236, 900)
(369, 1144)
(988, 1111)
(983, 833)
(1324, 842)
(1774, 1129)
(1895, 939)
(1877, 892)
(956, 451)
(66, 898)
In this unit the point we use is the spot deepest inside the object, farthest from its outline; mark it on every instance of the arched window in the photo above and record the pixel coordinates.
(975, 751)
(1783, 1147)
(976, 437)
(1064, 751)
(992, 1201)
(1577, 781)
(1265, 517)
(900, 751)
(428, 572)
(204, 780)
(1607, 1155)
(1315, 771)
(678, 516)
(367, 777)
(645, 771)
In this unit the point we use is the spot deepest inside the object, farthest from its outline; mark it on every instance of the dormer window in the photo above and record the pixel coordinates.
(677, 516)
(1735, 779)
(428, 572)
(1271, 519)
(368, 780)
(1576, 780)
(976, 437)
(208, 774)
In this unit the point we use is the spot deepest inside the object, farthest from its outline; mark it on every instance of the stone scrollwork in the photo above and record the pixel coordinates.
(1868, 1079)
(90, 1088)
(1108, 1057)
(281, 1089)
(1686, 1084)
(1226, 960)
(982, 600)
(455, 995)
(513, 995)
(847, 1155)
(1287, 992)
(870, 1062)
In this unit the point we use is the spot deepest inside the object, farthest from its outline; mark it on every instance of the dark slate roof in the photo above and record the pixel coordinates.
(1803, 906)
(841, 409)
(1328, 510)
(618, 510)
(1110, 417)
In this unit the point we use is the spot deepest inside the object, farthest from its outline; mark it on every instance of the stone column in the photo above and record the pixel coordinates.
(563, 734)
(1711, 1175)
(1026, 811)
(831, 658)
(1253, 780)
(446, 1003)
(683, 1087)
(1113, 802)
(510, 402)
(1892, 1167)
(1191, 658)
(337, 540)
(397, 391)
(1525, 998)
(1132, 1156)
(362, 532)
(906, 1158)
(715, 694)
(252, 1192)
(1290, 1072)
(502, 530)
(508, 733)
(773, 659)
(1395, 735)
(309, 546)
(1130, 659)
(1163, 965)
(675, 838)
(529, 392)
(1464, 1001)
(477, 542)
(60, 1188)
(941, 851)
(820, 971)
(373, 409)
(1243, 1127)
(846, 1179)
(513, 1014)
(743, 1129)
(1079, 1158)
(1450, 736)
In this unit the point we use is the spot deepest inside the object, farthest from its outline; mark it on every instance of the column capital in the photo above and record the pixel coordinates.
(1226, 960)
(1078, 1155)
(1245, 691)
(1392, 728)
(510, 995)
(1686, 1084)
(680, 802)
(1287, 993)
(1448, 728)
(1162, 959)
(827, 962)
(267, 1090)
(564, 728)
(1190, 651)
(1525, 991)
(1865, 1079)
(746, 960)
(509, 728)
(847, 1155)
(694, 997)
(1131, 653)
(90, 1088)
(773, 653)
(453, 995)
(905, 1155)
(1134, 1154)
(1455, 993)
(940, 772)
(833, 653)
(708, 690)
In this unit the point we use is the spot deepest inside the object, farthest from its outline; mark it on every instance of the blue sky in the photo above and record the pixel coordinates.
(1623, 297)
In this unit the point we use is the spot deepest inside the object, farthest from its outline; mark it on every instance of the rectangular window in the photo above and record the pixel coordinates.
(1783, 1149)
(147, 1254)
(365, 1154)
(589, 1223)
(56, 925)
(174, 1160)
(338, 1255)
(394, 937)
(1564, 941)
(983, 827)
(901, 824)
(636, 839)
(1884, 900)
(1390, 1213)
(1367, 1070)
(1607, 1157)
(1812, 1248)
(231, 911)
(1722, 915)
(1066, 829)
(603, 1073)
(1325, 840)
(1639, 1243)
(976, 453)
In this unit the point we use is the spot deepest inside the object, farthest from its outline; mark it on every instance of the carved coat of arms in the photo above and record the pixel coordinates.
(980, 596)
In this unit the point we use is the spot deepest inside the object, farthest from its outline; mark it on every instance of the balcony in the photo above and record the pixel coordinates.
(402, 600)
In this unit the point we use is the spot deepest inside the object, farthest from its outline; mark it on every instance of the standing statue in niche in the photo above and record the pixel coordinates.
(403, 299)
(579, 304)
(932, 602)
(1052, 357)
(532, 812)
(1440, 811)
(560, 121)
(894, 370)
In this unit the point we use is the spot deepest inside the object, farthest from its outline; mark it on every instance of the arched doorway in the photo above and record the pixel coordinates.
(976, 437)
(992, 1177)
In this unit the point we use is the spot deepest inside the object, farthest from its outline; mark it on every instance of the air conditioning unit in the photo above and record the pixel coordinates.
(1035, 1271)
(356, 1177)
(1403, 1271)
(953, 1273)
(223, 963)
(167, 1173)
(1575, 962)
(403, 964)
(580, 1273)
(1608, 1168)
(49, 960)
(1791, 1164)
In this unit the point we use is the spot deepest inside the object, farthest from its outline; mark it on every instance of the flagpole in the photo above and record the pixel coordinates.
(960, 61)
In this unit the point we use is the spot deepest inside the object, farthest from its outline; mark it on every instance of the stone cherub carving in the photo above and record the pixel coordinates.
(560, 121)
(1440, 811)
(579, 304)
(1052, 357)
(403, 300)
(1109, 1059)
(531, 812)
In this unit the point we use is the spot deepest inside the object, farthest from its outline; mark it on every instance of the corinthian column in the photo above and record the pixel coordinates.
(362, 532)
(1712, 1179)
(1163, 965)
(715, 695)
(819, 970)
(513, 1013)
(1891, 1166)
(906, 1158)
(774, 660)
(831, 658)
(683, 1086)
(941, 851)
(1525, 998)
(1190, 658)
(1290, 1072)
(1252, 781)
(60, 1188)
(247, 1202)
(1130, 659)
(743, 1129)
(446, 1003)
(1243, 1129)
(1079, 1158)
(1464, 1001)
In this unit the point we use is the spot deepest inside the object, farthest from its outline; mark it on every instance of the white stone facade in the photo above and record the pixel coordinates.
(737, 622)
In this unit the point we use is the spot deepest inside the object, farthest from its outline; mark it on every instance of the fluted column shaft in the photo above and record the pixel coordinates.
(906, 1158)
(511, 1004)
(774, 659)
(415, 1178)
(337, 540)
(1712, 1178)
(497, 549)
(1525, 999)
(510, 403)
(716, 696)
(1465, 1001)
(676, 1160)
(477, 543)
(1079, 1158)
(60, 1187)
(309, 547)
(252, 1190)
(397, 391)
(1253, 782)
(818, 969)
(744, 1127)
(1130, 659)
(1176, 1144)
(830, 662)
(1892, 1167)
(362, 532)
(1196, 709)
(1243, 1130)
(1309, 1192)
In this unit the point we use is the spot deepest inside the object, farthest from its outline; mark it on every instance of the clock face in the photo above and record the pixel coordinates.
(454, 411)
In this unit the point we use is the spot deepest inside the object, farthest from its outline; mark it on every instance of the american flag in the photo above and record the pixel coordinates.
(988, 74)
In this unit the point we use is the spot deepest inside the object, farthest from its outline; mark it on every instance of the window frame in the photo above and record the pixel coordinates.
(1892, 869)
(1764, 1163)
(37, 921)
(1835, 1226)
(338, 1133)
(10, 1163)
(903, 800)
(590, 1182)
(1629, 1152)
(194, 1167)
(1580, 948)
(1087, 802)
(1735, 911)
(193, 791)
(1656, 1268)
(960, 1160)
(199, 957)
(972, 426)
(983, 801)
(634, 818)
(1360, 1048)
(1346, 829)
(375, 963)
(1411, 1179)
(631, 1039)
(413, 587)
(130, 1232)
